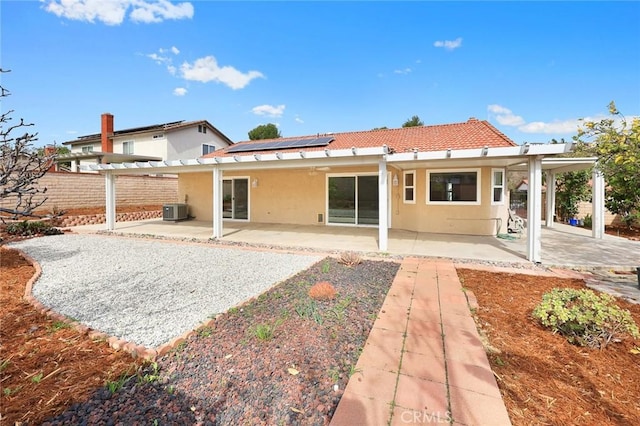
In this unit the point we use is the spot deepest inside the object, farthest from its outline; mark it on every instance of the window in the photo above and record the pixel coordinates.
(87, 149)
(127, 147)
(409, 182)
(158, 136)
(207, 149)
(202, 128)
(447, 187)
(497, 186)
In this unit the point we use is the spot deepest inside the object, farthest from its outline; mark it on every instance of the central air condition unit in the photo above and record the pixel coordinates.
(175, 212)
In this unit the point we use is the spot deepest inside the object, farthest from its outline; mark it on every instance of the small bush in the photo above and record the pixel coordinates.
(29, 228)
(584, 317)
(588, 221)
(350, 258)
(322, 291)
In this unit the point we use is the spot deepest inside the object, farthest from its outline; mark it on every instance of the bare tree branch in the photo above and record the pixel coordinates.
(21, 166)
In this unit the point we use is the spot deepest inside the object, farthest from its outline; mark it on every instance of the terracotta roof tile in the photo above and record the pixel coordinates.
(470, 134)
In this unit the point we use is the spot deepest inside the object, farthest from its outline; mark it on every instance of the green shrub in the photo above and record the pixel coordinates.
(588, 221)
(584, 317)
(28, 228)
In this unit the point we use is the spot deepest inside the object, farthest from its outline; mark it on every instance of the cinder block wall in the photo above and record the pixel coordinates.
(79, 190)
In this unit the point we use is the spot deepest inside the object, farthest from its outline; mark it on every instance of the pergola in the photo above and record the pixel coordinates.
(534, 158)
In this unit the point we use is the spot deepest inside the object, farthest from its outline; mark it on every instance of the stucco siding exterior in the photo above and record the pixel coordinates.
(187, 143)
(299, 196)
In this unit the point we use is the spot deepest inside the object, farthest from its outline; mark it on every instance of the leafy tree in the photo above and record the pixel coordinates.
(380, 128)
(413, 122)
(616, 143)
(571, 189)
(265, 131)
(20, 167)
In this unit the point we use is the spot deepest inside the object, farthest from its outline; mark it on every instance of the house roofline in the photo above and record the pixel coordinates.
(515, 155)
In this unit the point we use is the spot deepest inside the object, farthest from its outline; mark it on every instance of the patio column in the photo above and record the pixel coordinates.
(534, 209)
(110, 200)
(551, 199)
(383, 211)
(217, 203)
(597, 214)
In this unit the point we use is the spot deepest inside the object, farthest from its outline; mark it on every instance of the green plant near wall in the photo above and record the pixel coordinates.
(571, 189)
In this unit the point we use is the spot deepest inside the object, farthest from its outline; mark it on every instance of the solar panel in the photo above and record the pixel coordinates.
(275, 145)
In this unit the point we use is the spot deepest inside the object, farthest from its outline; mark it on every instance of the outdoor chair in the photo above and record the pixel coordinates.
(515, 224)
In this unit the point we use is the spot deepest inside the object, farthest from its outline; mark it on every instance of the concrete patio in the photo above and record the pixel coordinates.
(562, 245)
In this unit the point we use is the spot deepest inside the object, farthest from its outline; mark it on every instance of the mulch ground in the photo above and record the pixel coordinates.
(544, 380)
(44, 365)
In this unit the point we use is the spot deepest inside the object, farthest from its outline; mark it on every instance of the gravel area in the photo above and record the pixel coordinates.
(150, 291)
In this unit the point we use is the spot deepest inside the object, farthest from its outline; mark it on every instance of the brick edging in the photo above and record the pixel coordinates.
(137, 351)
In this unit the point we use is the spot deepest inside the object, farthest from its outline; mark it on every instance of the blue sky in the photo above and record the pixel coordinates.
(531, 68)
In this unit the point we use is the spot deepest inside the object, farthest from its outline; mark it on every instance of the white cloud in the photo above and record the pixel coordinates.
(175, 50)
(269, 110)
(449, 44)
(504, 116)
(158, 58)
(404, 71)
(299, 120)
(113, 12)
(179, 91)
(172, 70)
(566, 126)
(207, 69)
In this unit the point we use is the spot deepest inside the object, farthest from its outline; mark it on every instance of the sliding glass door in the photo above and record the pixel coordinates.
(353, 200)
(235, 198)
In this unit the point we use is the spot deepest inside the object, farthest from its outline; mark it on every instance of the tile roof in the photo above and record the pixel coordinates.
(473, 133)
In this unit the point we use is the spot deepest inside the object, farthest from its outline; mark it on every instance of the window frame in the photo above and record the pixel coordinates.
(405, 186)
(478, 201)
(494, 187)
(202, 128)
(125, 144)
(87, 149)
(209, 146)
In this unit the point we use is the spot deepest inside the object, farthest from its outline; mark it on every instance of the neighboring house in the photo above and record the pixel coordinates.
(447, 178)
(158, 142)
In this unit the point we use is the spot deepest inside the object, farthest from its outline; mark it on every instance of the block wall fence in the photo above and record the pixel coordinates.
(82, 190)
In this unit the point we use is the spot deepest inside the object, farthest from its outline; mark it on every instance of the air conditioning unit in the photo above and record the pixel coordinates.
(175, 212)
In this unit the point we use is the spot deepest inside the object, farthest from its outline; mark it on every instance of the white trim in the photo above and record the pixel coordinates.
(597, 206)
(405, 187)
(110, 201)
(478, 201)
(210, 145)
(551, 198)
(383, 205)
(217, 176)
(354, 175)
(534, 210)
(494, 186)
(232, 178)
(125, 144)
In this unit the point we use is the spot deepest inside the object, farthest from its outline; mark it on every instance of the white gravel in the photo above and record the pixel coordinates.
(150, 291)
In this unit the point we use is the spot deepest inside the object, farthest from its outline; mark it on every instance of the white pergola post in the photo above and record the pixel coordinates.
(534, 209)
(597, 216)
(110, 200)
(551, 199)
(383, 211)
(217, 203)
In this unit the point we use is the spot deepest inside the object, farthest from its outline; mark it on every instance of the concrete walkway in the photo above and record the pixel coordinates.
(423, 362)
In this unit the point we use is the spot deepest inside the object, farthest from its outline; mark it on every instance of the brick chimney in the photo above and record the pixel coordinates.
(49, 151)
(106, 132)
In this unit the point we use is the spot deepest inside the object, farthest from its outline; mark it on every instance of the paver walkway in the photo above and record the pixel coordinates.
(423, 362)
